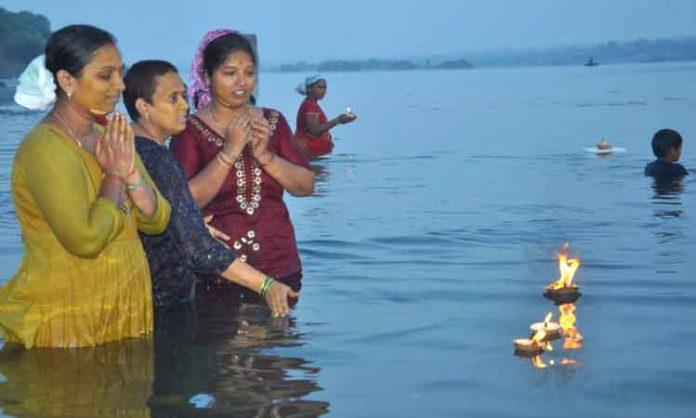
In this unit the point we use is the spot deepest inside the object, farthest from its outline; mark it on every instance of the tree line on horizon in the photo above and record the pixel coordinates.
(23, 36)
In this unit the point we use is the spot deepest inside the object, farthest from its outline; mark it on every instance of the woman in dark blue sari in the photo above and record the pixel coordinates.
(155, 98)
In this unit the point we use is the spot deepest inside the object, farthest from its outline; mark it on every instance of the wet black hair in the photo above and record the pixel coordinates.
(217, 51)
(71, 48)
(664, 140)
(141, 81)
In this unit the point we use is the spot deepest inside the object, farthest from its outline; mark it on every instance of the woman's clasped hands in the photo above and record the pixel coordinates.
(252, 128)
(115, 151)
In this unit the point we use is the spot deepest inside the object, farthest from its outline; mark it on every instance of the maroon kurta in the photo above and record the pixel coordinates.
(249, 206)
(315, 146)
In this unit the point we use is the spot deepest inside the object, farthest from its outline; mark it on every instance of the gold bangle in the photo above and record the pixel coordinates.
(224, 159)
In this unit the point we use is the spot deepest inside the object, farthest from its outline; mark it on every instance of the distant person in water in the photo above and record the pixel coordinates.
(155, 98)
(667, 146)
(313, 127)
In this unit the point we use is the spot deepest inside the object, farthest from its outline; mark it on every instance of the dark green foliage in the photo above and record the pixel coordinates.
(23, 36)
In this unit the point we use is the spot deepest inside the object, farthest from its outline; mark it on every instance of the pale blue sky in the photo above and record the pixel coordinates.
(314, 30)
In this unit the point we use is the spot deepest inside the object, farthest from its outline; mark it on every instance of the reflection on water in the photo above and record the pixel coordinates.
(667, 193)
(572, 340)
(667, 188)
(668, 211)
(107, 381)
(220, 356)
(214, 363)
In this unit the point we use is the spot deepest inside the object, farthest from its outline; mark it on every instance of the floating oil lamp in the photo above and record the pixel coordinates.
(573, 338)
(529, 347)
(551, 329)
(564, 290)
(563, 296)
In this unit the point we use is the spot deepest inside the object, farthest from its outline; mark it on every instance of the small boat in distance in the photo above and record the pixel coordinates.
(591, 63)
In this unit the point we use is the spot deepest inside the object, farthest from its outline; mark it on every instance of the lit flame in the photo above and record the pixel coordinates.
(567, 267)
(567, 321)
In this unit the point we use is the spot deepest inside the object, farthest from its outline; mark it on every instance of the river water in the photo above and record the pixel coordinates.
(426, 248)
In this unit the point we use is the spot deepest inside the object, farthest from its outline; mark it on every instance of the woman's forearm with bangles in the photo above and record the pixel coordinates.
(206, 184)
(275, 294)
(141, 193)
(112, 188)
(244, 275)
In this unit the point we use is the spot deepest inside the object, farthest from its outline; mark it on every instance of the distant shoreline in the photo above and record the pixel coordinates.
(634, 52)
(371, 65)
(309, 70)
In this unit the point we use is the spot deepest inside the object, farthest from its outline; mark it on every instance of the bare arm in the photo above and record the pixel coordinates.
(141, 193)
(317, 128)
(276, 295)
(206, 184)
(112, 188)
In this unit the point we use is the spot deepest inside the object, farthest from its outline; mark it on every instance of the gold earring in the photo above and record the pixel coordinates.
(147, 116)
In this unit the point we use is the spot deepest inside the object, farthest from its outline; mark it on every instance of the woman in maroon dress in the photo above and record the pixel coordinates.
(313, 126)
(239, 160)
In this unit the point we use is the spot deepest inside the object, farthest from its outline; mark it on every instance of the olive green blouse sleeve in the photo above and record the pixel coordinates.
(157, 223)
(59, 182)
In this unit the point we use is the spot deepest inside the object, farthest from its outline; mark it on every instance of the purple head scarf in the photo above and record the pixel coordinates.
(199, 90)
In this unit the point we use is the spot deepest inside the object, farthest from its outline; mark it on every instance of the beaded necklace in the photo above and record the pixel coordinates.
(248, 202)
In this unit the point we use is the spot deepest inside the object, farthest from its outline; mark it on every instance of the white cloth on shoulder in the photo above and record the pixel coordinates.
(36, 89)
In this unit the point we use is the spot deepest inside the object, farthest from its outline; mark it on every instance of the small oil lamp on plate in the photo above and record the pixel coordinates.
(529, 347)
(550, 328)
(564, 290)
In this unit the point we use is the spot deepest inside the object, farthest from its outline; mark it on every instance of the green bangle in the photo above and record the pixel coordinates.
(137, 185)
(266, 286)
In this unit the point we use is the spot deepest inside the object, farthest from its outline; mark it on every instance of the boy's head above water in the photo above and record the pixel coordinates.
(667, 145)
